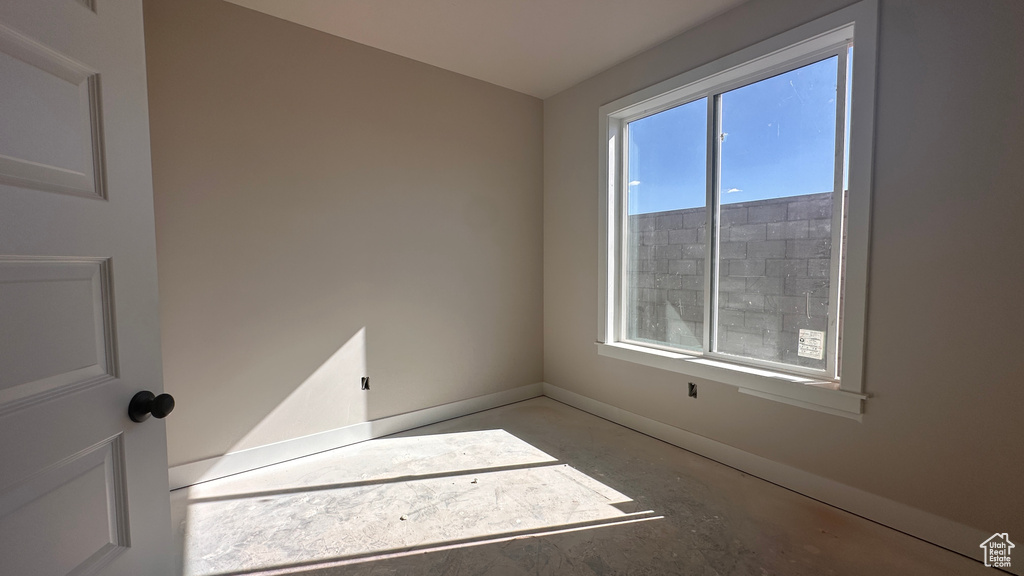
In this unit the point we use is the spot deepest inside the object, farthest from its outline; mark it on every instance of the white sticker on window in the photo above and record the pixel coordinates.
(812, 344)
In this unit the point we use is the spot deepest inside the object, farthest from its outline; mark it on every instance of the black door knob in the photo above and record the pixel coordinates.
(144, 403)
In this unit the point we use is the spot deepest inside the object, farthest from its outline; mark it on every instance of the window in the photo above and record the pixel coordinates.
(735, 200)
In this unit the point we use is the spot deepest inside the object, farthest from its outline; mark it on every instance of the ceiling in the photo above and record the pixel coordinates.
(539, 47)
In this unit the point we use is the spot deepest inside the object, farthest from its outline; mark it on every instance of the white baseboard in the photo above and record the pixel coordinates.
(918, 523)
(244, 460)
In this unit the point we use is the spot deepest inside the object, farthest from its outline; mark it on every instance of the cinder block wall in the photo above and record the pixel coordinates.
(773, 281)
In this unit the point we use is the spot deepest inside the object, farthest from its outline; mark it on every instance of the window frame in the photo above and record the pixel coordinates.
(827, 390)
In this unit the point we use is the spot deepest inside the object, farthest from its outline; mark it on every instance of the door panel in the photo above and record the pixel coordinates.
(49, 110)
(64, 338)
(83, 490)
(87, 492)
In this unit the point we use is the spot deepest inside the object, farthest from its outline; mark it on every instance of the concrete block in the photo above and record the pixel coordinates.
(762, 320)
(745, 232)
(801, 249)
(766, 249)
(815, 287)
(810, 209)
(691, 312)
(727, 317)
(731, 250)
(765, 285)
(684, 335)
(668, 252)
(727, 284)
(660, 266)
(795, 322)
(767, 213)
(746, 301)
(680, 297)
(692, 251)
(785, 304)
(685, 267)
(729, 216)
(787, 230)
(682, 236)
(651, 295)
(655, 238)
(691, 282)
(748, 267)
(668, 222)
(694, 218)
(819, 267)
(820, 228)
(668, 281)
(643, 223)
(643, 280)
(740, 336)
(786, 268)
(818, 307)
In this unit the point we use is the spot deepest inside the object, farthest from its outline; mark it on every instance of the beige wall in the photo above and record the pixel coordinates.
(945, 362)
(326, 210)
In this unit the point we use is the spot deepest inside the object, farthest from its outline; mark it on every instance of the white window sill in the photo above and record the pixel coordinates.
(823, 396)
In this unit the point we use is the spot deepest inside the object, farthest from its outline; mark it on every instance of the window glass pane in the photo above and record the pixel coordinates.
(775, 238)
(666, 199)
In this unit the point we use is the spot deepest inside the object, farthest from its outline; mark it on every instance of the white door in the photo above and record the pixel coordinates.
(83, 489)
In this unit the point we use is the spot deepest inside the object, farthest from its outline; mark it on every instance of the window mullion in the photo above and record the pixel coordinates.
(838, 201)
(710, 234)
(622, 230)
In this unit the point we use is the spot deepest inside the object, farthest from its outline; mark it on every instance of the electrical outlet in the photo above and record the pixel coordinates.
(693, 390)
(365, 383)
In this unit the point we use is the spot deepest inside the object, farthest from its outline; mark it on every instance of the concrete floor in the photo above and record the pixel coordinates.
(530, 488)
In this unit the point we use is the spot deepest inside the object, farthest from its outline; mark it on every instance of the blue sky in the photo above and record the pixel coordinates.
(779, 140)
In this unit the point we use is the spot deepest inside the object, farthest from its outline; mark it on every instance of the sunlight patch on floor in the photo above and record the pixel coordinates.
(390, 496)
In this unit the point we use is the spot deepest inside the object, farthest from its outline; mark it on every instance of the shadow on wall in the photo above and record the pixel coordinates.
(331, 386)
(328, 399)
